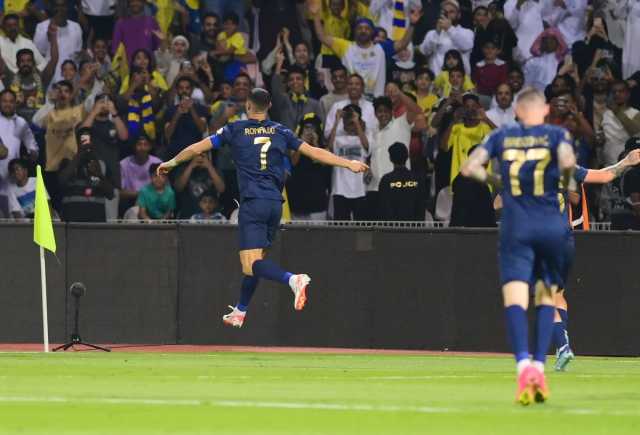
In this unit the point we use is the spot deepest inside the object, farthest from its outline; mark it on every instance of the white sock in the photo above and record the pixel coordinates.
(539, 365)
(522, 364)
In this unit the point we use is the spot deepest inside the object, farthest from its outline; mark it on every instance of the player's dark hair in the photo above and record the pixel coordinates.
(398, 154)
(260, 98)
(382, 102)
(530, 94)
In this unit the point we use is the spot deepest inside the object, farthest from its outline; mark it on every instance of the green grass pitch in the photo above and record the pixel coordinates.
(288, 393)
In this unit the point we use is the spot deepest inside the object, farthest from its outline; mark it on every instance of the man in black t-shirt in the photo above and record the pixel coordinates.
(402, 193)
(186, 120)
(192, 180)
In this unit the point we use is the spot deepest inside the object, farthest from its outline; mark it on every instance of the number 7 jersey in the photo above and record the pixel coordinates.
(528, 158)
(260, 152)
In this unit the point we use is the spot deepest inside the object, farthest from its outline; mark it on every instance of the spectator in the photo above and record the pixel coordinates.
(170, 59)
(21, 189)
(469, 129)
(108, 130)
(136, 31)
(548, 51)
(142, 59)
(525, 17)
(390, 12)
(339, 92)
(595, 48)
(493, 27)
(490, 72)
(69, 72)
(99, 15)
(292, 103)
(28, 83)
(515, 80)
(503, 113)
(134, 170)
(355, 89)
(14, 133)
(208, 39)
(89, 86)
(84, 182)
(443, 82)
(222, 7)
(630, 54)
(620, 123)
(12, 42)
(448, 35)
(60, 117)
(100, 55)
(335, 23)
(142, 100)
(185, 122)
(568, 17)
(192, 180)
(348, 190)
(391, 130)
(209, 208)
(302, 59)
(309, 185)
(425, 96)
(402, 193)
(231, 51)
(472, 204)
(68, 35)
(363, 56)
(157, 199)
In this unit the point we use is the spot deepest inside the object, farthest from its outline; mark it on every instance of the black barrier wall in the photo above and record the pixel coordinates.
(403, 289)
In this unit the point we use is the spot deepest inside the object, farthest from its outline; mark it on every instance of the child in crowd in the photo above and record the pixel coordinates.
(442, 83)
(157, 199)
(21, 188)
(209, 208)
(425, 97)
(490, 72)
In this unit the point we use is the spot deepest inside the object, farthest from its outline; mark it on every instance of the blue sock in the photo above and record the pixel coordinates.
(249, 284)
(544, 331)
(267, 269)
(517, 329)
(559, 335)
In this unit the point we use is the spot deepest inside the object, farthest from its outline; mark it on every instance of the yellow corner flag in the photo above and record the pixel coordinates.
(42, 226)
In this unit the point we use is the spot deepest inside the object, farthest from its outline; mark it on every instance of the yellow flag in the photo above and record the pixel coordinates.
(42, 226)
(119, 63)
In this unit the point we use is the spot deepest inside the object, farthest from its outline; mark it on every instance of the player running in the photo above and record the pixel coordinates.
(259, 148)
(564, 354)
(533, 158)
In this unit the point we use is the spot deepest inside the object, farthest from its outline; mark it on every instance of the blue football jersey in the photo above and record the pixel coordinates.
(528, 158)
(260, 151)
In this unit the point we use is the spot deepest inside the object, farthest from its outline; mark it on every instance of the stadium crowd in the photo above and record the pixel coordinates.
(100, 91)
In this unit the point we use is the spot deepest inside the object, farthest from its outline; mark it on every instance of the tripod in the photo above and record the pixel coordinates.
(78, 290)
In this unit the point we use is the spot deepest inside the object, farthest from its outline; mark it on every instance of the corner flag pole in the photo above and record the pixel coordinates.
(43, 284)
(44, 237)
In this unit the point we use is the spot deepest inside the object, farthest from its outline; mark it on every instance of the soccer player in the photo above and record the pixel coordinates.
(564, 354)
(259, 148)
(534, 158)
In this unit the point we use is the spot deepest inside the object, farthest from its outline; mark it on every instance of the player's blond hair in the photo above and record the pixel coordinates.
(530, 95)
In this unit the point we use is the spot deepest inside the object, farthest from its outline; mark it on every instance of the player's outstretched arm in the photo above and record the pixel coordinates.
(474, 166)
(328, 158)
(608, 174)
(185, 155)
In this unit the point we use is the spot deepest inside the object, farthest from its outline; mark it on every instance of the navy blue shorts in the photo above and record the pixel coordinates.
(535, 254)
(258, 222)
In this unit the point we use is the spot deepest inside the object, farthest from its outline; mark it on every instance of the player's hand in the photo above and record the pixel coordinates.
(165, 168)
(633, 158)
(357, 166)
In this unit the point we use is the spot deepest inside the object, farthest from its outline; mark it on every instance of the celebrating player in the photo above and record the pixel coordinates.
(534, 234)
(259, 149)
(564, 354)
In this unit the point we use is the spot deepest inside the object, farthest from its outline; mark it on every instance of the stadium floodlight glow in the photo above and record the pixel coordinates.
(78, 290)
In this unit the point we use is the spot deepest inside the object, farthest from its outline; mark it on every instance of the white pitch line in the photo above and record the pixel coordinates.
(295, 405)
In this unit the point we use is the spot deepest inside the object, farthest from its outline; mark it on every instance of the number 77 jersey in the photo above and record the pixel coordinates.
(528, 158)
(260, 152)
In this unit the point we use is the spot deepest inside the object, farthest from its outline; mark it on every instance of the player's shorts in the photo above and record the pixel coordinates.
(569, 254)
(258, 222)
(535, 253)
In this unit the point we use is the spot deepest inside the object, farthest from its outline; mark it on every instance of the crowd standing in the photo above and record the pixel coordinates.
(100, 91)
